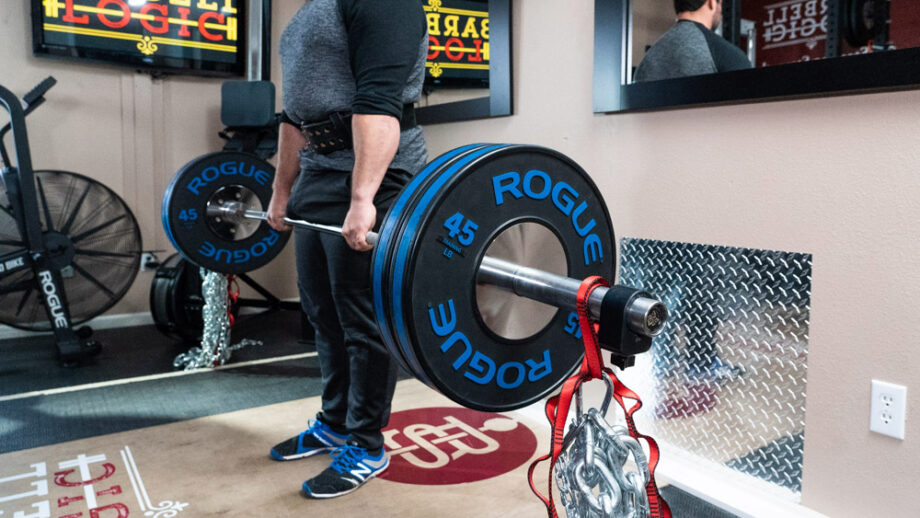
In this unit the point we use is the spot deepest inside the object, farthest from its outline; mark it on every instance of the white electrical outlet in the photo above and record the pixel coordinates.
(888, 409)
(147, 257)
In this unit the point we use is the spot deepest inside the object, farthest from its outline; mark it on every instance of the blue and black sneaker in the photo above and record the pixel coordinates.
(318, 438)
(351, 467)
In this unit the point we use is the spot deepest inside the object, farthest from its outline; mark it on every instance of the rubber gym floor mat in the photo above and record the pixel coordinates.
(157, 425)
(30, 363)
(81, 415)
(685, 505)
(43, 420)
(219, 466)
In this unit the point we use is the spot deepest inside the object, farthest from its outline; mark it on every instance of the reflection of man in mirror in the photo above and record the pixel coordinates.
(690, 47)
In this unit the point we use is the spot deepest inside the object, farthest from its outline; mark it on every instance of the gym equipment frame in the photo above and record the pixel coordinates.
(74, 233)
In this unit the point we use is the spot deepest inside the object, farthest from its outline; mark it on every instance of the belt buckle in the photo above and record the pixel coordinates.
(327, 136)
(313, 133)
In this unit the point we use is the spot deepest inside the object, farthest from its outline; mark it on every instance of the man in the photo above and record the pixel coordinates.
(691, 47)
(348, 144)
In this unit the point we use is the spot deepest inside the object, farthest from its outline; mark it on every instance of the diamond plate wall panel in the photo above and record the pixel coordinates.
(725, 381)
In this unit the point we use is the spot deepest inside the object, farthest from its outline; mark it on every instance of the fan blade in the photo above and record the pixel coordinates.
(92, 231)
(105, 263)
(73, 214)
(97, 253)
(18, 286)
(125, 261)
(23, 300)
(88, 276)
(49, 224)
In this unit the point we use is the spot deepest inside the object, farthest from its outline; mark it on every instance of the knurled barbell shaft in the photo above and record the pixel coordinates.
(645, 315)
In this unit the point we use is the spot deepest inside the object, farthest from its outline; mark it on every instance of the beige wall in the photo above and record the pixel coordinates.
(650, 19)
(835, 177)
(126, 130)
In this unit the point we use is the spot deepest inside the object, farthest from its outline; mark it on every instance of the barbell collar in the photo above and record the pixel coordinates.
(646, 316)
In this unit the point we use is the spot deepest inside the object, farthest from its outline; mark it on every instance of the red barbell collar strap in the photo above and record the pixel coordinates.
(233, 296)
(657, 505)
(557, 407)
(593, 360)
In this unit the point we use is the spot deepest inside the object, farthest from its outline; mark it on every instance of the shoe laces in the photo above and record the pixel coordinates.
(346, 457)
(315, 426)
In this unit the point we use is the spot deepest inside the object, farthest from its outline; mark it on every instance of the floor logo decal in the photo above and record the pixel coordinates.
(452, 445)
(91, 486)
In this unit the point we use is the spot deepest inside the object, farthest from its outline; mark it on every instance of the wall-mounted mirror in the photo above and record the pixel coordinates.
(794, 48)
(468, 71)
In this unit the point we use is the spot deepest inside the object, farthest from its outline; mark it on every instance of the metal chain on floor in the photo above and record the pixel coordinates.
(215, 346)
(592, 473)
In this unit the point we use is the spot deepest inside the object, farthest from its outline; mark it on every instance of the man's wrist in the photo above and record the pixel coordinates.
(362, 196)
(281, 189)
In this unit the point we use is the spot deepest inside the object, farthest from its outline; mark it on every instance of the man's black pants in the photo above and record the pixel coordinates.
(358, 374)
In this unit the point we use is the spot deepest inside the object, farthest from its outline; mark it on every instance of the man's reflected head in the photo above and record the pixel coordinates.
(706, 12)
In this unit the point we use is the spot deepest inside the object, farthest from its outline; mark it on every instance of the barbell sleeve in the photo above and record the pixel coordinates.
(644, 315)
(539, 285)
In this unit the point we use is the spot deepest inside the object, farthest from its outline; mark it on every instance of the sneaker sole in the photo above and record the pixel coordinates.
(307, 494)
(282, 458)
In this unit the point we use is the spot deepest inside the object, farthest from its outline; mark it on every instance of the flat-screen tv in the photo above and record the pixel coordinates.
(458, 43)
(197, 37)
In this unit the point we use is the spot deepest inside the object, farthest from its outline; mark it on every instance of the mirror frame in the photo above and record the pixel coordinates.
(865, 73)
(499, 101)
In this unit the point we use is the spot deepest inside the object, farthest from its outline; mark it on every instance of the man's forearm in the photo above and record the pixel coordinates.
(290, 142)
(376, 139)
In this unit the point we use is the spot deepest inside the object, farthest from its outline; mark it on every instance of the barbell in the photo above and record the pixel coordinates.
(430, 254)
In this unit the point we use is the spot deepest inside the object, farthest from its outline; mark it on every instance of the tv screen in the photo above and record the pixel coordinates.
(198, 37)
(458, 43)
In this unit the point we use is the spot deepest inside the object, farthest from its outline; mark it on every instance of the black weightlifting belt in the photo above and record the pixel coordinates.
(334, 133)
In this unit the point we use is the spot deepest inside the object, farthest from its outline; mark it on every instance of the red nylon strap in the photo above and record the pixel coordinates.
(557, 408)
(593, 359)
(233, 295)
(657, 505)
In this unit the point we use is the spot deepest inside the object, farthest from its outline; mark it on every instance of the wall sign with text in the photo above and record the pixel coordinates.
(458, 42)
(195, 36)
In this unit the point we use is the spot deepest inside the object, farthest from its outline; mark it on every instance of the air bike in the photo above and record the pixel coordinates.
(69, 247)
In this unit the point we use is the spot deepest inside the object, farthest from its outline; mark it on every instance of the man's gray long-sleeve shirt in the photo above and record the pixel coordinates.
(689, 49)
(363, 56)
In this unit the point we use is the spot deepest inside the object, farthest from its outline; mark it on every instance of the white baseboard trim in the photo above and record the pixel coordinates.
(747, 497)
(103, 322)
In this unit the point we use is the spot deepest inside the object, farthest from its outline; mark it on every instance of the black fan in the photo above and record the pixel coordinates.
(93, 239)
